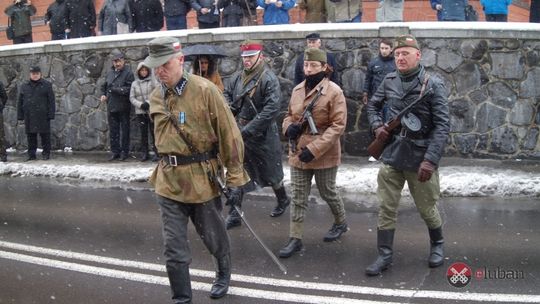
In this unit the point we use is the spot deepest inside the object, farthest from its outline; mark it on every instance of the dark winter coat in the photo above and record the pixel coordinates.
(36, 106)
(80, 18)
(261, 136)
(20, 18)
(406, 149)
(299, 69)
(210, 17)
(376, 71)
(117, 87)
(112, 12)
(235, 10)
(3, 98)
(147, 15)
(56, 16)
(176, 7)
(534, 15)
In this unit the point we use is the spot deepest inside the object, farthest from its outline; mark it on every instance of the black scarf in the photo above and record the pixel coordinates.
(313, 80)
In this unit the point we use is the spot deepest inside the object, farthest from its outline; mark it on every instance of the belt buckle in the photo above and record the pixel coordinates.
(172, 160)
(403, 132)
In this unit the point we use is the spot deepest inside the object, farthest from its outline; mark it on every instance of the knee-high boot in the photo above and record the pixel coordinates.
(223, 277)
(436, 254)
(385, 240)
(180, 282)
(283, 202)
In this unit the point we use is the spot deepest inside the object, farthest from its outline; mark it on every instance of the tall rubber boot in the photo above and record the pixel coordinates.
(223, 277)
(436, 254)
(385, 239)
(180, 282)
(283, 201)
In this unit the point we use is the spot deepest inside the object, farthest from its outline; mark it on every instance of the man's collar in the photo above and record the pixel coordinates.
(178, 88)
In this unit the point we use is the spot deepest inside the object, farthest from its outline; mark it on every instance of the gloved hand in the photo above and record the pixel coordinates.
(306, 156)
(425, 171)
(381, 133)
(294, 130)
(235, 196)
(145, 106)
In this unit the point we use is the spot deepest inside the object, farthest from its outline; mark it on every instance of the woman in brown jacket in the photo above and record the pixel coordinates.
(206, 66)
(317, 154)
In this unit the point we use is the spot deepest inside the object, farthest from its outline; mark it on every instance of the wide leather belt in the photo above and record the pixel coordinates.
(179, 160)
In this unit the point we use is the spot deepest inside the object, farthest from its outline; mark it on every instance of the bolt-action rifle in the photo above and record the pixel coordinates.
(307, 116)
(376, 147)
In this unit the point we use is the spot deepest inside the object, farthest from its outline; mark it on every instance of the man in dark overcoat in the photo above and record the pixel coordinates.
(146, 15)
(254, 95)
(3, 100)
(36, 106)
(115, 92)
(80, 18)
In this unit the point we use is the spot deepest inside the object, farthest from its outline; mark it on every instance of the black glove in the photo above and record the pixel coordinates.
(293, 131)
(145, 106)
(235, 196)
(335, 1)
(306, 156)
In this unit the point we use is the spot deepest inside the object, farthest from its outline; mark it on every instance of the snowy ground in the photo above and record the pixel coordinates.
(476, 178)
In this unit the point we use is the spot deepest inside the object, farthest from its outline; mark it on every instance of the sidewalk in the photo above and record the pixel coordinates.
(459, 177)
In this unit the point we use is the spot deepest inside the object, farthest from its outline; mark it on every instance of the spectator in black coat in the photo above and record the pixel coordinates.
(20, 12)
(55, 18)
(36, 106)
(237, 12)
(80, 18)
(115, 92)
(3, 100)
(146, 15)
(207, 13)
(175, 12)
(313, 40)
(534, 15)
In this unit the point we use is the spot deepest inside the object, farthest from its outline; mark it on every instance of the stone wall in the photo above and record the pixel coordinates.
(491, 71)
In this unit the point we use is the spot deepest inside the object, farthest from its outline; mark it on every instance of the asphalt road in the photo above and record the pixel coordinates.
(66, 242)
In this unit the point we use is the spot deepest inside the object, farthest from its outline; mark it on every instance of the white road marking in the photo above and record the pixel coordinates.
(145, 278)
(431, 294)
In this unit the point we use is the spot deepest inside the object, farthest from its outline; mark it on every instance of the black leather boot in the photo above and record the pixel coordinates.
(180, 282)
(145, 156)
(293, 246)
(283, 202)
(335, 232)
(385, 239)
(436, 254)
(223, 277)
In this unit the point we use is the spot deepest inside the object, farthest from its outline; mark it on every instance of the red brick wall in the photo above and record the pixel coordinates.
(415, 10)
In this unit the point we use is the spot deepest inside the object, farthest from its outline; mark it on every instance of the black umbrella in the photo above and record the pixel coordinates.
(191, 52)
